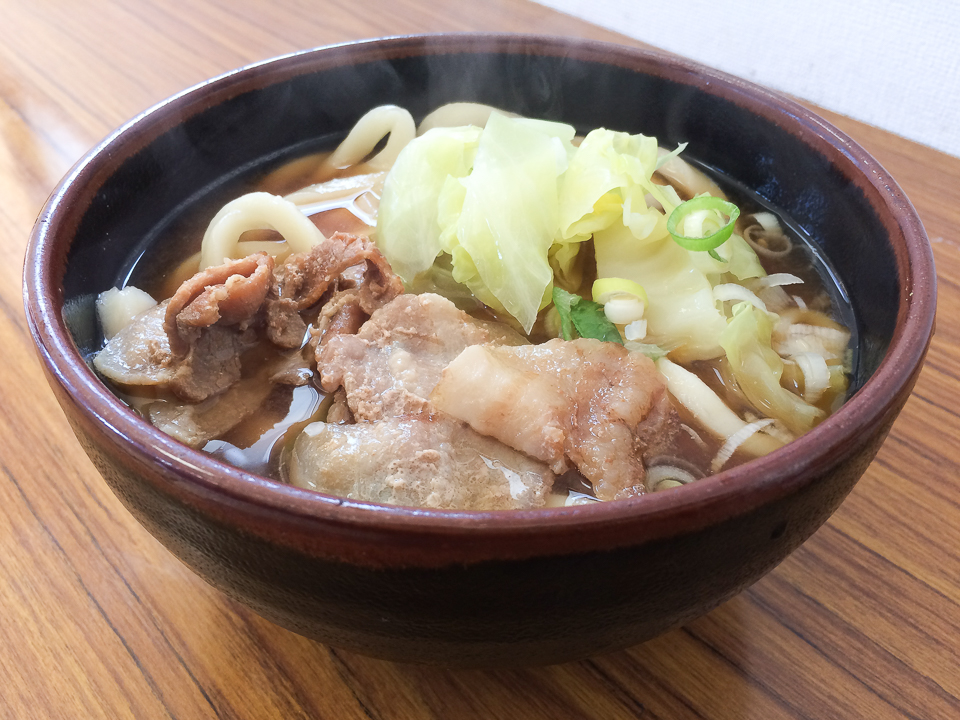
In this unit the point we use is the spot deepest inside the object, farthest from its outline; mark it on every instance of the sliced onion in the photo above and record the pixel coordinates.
(576, 498)
(623, 300)
(735, 441)
(636, 330)
(816, 375)
(663, 477)
(797, 338)
(768, 221)
(623, 310)
(732, 291)
(754, 233)
(667, 485)
(774, 298)
(778, 279)
(673, 461)
(697, 397)
(695, 435)
(776, 429)
(694, 213)
(606, 289)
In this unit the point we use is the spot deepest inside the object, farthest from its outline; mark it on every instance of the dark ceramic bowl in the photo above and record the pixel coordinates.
(484, 587)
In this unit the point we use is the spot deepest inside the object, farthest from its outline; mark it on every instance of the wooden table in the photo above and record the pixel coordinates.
(99, 621)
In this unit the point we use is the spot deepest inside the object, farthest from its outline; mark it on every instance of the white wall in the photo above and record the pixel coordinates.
(891, 63)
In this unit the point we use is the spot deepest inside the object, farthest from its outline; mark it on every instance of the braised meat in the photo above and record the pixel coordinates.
(393, 363)
(422, 461)
(583, 402)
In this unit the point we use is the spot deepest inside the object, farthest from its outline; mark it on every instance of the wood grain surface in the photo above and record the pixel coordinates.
(99, 621)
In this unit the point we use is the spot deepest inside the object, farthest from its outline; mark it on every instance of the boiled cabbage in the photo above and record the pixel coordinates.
(739, 259)
(609, 178)
(682, 315)
(757, 368)
(511, 203)
(408, 228)
(509, 216)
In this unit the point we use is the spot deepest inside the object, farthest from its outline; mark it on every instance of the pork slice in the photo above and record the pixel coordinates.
(227, 294)
(212, 364)
(304, 278)
(396, 359)
(615, 392)
(283, 325)
(428, 461)
(583, 402)
(191, 344)
(502, 397)
(140, 355)
(196, 424)
(342, 314)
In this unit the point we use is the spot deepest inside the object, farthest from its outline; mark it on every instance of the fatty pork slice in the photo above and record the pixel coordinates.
(393, 363)
(585, 402)
(430, 461)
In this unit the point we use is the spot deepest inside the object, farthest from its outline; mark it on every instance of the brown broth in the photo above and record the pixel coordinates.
(257, 443)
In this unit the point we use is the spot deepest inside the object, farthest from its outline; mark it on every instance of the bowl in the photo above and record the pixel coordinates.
(478, 588)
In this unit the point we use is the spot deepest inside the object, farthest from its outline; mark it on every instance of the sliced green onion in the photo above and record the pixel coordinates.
(623, 300)
(707, 243)
(606, 289)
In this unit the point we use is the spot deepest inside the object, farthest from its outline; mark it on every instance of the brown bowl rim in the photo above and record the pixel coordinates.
(237, 497)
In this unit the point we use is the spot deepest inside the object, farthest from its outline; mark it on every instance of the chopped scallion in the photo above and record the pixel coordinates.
(711, 241)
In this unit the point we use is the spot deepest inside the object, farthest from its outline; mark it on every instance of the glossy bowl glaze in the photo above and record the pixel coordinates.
(480, 588)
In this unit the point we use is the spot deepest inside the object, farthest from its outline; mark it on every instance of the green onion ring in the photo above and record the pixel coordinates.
(710, 242)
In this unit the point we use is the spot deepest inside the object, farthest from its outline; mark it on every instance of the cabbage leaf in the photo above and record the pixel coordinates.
(609, 178)
(681, 314)
(408, 227)
(508, 218)
(511, 204)
(757, 368)
(737, 258)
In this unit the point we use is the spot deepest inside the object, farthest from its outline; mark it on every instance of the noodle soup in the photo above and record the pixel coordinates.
(646, 361)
